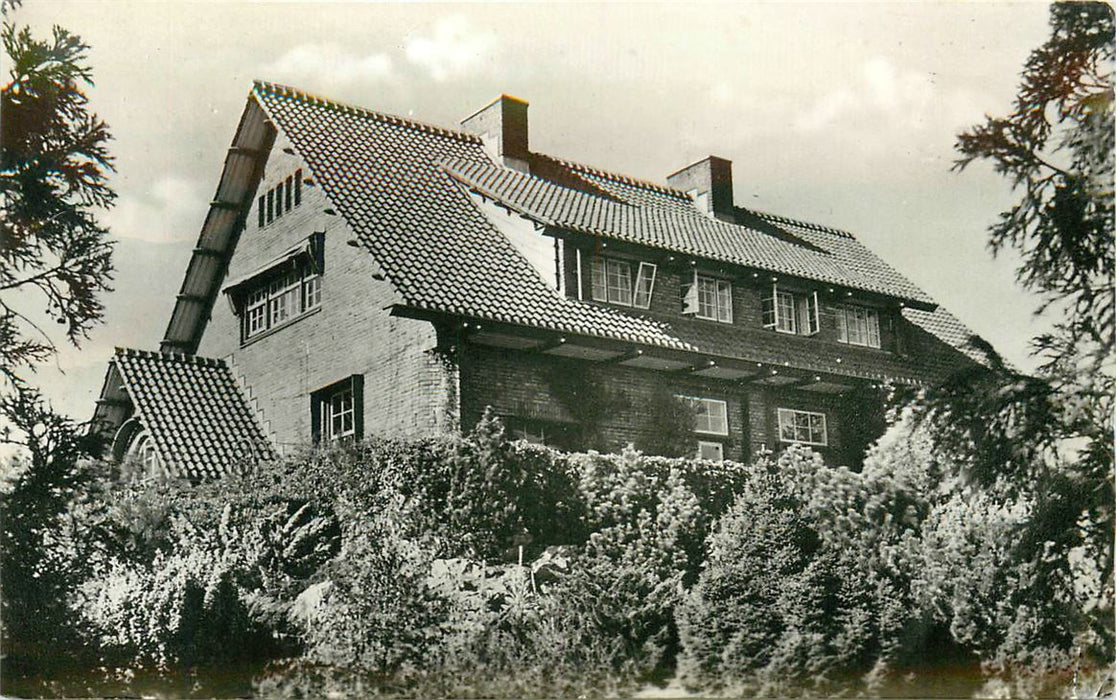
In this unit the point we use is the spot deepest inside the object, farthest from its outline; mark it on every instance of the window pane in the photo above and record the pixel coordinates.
(724, 301)
(312, 287)
(279, 200)
(270, 206)
(619, 282)
(298, 187)
(600, 281)
(787, 319)
(645, 283)
(262, 209)
(287, 187)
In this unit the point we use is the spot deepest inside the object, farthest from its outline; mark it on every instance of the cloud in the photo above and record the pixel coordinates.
(330, 64)
(171, 209)
(882, 94)
(453, 50)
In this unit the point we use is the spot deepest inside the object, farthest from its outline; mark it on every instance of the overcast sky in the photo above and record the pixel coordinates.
(842, 114)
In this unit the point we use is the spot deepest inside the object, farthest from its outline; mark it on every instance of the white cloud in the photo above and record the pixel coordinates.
(883, 95)
(170, 209)
(328, 64)
(454, 49)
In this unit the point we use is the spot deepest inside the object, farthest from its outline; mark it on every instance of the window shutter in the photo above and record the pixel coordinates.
(358, 407)
(771, 308)
(316, 417)
(690, 296)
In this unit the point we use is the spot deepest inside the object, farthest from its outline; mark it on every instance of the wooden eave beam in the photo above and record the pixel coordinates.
(244, 151)
(623, 357)
(197, 298)
(226, 206)
(209, 252)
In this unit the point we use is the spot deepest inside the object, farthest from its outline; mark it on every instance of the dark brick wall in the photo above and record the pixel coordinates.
(515, 383)
(408, 389)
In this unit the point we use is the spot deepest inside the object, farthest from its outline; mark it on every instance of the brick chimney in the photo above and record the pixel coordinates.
(709, 182)
(502, 125)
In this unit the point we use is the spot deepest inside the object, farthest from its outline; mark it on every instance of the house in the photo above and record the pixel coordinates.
(360, 273)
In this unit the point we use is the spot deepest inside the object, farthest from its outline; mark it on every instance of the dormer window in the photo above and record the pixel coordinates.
(708, 297)
(281, 291)
(858, 325)
(614, 283)
(793, 312)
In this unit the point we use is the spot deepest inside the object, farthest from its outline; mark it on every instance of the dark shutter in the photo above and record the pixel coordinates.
(358, 406)
(316, 417)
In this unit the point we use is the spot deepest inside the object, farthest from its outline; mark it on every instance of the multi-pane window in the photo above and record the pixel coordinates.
(279, 199)
(336, 410)
(710, 415)
(338, 416)
(857, 325)
(805, 427)
(708, 297)
(272, 303)
(613, 282)
(791, 312)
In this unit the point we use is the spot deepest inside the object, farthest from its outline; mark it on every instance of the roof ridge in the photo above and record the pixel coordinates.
(626, 179)
(288, 91)
(799, 222)
(173, 356)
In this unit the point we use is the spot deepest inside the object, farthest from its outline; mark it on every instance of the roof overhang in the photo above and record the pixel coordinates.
(219, 234)
(762, 372)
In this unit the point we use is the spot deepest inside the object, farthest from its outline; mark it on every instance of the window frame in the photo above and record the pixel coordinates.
(611, 281)
(322, 414)
(791, 312)
(708, 292)
(870, 337)
(794, 414)
(279, 298)
(695, 401)
(720, 447)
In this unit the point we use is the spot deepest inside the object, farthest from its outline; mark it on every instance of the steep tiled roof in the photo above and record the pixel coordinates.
(384, 175)
(401, 187)
(671, 228)
(194, 410)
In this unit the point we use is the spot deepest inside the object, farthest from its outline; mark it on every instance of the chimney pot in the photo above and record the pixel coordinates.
(502, 125)
(709, 182)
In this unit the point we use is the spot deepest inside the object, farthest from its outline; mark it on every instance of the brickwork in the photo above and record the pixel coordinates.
(409, 389)
(515, 383)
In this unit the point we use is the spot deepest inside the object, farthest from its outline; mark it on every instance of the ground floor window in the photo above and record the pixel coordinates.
(805, 427)
(561, 436)
(336, 411)
(710, 450)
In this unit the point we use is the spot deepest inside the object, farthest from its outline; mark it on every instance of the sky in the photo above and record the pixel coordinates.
(844, 114)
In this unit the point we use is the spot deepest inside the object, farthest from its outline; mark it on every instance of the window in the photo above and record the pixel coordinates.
(709, 298)
(612, 282)
(274, 301)
(280, 199)
(143, 451)
(802, 426)
(336, 411)
(710, 415)
(791, 312)
(857, 325)
(710, 450)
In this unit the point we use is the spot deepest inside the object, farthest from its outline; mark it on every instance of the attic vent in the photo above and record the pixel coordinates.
(280, 199)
